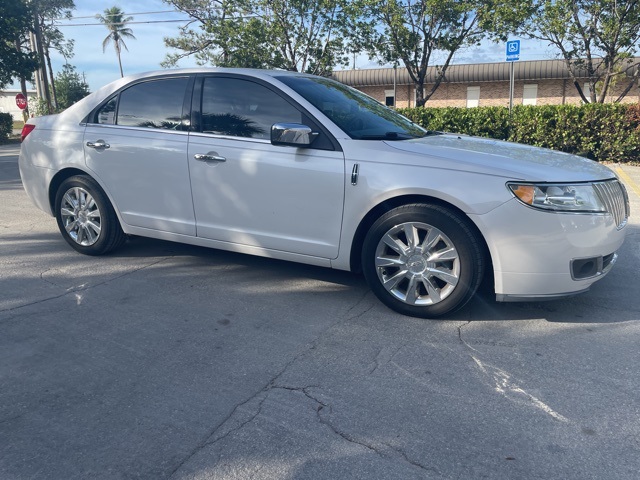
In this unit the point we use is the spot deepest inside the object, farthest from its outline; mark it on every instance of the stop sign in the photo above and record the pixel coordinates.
(21, 101)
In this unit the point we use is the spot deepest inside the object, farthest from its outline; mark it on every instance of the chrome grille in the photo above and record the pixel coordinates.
(614, 196)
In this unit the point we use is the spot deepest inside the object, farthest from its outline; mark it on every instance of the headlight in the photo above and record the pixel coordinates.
(559, 197)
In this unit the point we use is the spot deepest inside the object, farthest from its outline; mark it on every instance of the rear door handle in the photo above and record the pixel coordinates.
(98, 144)
(209, 157)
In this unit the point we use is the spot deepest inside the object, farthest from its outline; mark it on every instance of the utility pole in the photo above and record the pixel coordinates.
(41, 73)
(32, 46)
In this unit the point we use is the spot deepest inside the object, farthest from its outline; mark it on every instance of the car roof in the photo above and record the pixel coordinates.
(78, 111)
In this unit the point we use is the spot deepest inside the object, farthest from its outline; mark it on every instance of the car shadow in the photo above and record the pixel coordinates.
(608, 301)
(614, 299)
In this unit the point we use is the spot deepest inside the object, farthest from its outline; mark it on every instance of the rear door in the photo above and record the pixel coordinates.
(136, 143)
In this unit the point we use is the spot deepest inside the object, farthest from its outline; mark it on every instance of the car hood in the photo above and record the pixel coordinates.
(511, 160)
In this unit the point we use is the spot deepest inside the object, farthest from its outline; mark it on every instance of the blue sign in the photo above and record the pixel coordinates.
(513, 50)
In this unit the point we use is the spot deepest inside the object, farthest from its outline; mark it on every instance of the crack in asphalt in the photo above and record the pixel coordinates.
(320, 410)
(272, 385)
(462, 340)
(323, 407)
(356, 304)
(208, 441)
(369, 446)
(48, 281)
(80, 288)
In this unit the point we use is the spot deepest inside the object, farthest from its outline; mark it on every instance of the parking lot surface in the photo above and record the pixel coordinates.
(165, 361)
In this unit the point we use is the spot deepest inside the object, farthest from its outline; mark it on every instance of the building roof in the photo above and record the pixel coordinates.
(468, 73)
(13, 91)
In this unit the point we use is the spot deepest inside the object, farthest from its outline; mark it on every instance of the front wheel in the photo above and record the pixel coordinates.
(86, 218)
(422, 260)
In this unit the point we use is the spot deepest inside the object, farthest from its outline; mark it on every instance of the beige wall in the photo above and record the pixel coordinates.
(550, 92)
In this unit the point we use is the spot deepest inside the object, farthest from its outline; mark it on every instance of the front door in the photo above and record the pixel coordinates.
(247, 191)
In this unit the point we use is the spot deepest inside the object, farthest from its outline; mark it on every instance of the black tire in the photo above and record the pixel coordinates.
(435, 272)
(86, 218)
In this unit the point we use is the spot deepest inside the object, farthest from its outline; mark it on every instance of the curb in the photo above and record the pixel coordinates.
(629, 182)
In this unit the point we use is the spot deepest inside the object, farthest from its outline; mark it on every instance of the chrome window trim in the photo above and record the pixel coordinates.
(229, 137)
(138, 129)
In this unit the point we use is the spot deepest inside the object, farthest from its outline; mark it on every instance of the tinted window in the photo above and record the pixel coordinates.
(243, 108)
(155, 104)
(107, 113)
(360, 116)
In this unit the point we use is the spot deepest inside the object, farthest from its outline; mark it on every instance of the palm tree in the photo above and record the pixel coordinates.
(116, 22)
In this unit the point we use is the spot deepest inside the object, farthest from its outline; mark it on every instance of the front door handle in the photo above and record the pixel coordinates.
(98, 144)
(209, 157)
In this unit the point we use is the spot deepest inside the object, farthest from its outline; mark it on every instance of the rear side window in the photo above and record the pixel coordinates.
(242, 108)
(154, 104)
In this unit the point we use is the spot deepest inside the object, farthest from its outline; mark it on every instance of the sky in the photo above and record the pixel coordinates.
(148, 50)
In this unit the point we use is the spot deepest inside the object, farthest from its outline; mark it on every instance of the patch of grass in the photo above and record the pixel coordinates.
(18, 124)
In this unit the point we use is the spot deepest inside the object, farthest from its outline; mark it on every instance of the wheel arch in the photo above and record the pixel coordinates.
(69, 172)
(391, 203)
(57, 180)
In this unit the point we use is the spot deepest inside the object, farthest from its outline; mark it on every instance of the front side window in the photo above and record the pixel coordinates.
(153, 104)
(242, 108)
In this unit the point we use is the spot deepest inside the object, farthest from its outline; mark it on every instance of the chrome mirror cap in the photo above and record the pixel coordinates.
(292, 134)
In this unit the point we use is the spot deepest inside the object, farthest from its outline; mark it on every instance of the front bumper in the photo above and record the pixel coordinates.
(538, 254)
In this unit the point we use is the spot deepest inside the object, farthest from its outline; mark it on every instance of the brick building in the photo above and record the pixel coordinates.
(539, 82)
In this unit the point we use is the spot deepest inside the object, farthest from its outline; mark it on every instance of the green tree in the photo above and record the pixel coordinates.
(116, 22)
(15, 24)
(70, 86)
(296, 35)
(48, 13)
(600, 37)
(416, 33)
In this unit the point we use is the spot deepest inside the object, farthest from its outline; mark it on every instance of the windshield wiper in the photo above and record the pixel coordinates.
(388, 136)
(398, 136)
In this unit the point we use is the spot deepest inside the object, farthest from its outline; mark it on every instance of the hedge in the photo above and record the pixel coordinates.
(602, 132)
(6, 126)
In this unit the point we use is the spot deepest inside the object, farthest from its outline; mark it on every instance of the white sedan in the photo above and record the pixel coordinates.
(303, 168)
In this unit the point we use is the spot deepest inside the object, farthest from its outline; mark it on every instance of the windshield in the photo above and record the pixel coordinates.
(359, 115)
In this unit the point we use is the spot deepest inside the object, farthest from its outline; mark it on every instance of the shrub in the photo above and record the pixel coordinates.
(6, 126)
(483, 122)
(602, 132)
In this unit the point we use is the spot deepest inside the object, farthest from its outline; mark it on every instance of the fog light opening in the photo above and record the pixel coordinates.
(586, 268)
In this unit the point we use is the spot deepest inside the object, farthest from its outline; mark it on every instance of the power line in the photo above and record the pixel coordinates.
(123, 13)
(120, 23)
(189, 19)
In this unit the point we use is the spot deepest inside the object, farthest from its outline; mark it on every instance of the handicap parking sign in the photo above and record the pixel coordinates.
(513, 50)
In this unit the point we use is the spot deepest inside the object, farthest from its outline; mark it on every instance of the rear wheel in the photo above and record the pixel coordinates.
(422, 260)
(86, 218)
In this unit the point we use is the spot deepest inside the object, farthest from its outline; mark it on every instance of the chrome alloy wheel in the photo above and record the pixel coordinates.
(417, 263)
(81, 216)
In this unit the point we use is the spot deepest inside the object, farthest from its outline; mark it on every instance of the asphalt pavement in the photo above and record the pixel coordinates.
(166, 361)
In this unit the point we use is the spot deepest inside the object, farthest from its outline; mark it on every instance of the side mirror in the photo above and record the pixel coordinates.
(292, 135)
